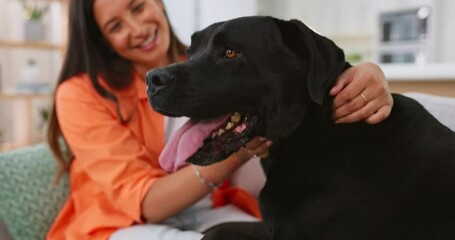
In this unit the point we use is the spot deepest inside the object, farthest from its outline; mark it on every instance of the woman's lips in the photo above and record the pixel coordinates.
(149, 43)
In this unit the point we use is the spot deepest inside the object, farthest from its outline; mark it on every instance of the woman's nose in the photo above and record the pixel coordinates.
(136, 27)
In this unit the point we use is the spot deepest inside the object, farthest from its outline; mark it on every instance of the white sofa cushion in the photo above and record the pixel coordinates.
(443, 108)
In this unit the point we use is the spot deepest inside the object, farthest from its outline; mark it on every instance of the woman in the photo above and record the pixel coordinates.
(114, 137)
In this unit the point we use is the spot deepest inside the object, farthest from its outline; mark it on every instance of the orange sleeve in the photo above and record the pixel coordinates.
(111, 154)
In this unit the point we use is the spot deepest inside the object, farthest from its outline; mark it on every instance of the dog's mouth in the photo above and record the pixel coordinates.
(224, 141)
(207, 141)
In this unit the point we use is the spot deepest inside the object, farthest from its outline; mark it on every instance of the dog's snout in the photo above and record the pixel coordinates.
(159, 78)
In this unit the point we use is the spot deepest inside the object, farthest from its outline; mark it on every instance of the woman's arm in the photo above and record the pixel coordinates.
(349, 105)
(175, 192)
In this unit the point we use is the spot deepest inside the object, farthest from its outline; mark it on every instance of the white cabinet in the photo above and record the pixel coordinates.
(333, 17)
(354, 24)
(349, 23)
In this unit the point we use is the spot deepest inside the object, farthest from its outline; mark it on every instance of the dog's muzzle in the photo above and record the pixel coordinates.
(157, 79)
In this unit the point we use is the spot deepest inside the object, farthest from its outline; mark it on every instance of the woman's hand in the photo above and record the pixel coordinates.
(218, 172)
(256, 147)
(361, 93)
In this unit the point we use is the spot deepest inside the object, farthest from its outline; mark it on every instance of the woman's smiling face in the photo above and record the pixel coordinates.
(136, 29)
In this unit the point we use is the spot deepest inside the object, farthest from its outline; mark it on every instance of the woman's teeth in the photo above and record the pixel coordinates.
(148, 41)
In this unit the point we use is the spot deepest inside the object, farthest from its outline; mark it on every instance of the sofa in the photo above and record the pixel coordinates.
(29, 201)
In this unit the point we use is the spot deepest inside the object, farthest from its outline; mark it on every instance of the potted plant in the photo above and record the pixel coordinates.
(34, 13)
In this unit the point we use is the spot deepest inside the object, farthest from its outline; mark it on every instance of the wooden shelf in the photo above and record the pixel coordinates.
(30, 45)
(435, 87)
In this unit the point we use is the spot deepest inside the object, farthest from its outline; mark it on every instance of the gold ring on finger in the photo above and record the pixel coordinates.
(364, 98)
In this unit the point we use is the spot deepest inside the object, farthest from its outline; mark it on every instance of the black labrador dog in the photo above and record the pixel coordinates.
(393, 180)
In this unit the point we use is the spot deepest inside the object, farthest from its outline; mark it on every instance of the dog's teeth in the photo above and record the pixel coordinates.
(229, 125)
(220, 131)
(236, 117)
(213, 135)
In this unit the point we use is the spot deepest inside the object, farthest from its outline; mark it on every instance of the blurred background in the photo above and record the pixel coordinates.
(412, 40)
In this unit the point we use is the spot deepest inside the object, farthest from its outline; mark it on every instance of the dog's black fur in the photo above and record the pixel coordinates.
(392, 180)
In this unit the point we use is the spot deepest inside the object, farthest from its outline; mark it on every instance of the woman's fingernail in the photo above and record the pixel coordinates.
(268, 143)
(262, 138)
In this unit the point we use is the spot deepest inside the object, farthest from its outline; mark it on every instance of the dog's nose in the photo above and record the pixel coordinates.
(158, 78)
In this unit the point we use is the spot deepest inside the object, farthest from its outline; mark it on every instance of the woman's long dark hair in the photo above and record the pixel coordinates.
(87, 52)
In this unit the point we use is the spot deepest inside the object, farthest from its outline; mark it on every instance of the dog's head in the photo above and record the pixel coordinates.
(268, 70)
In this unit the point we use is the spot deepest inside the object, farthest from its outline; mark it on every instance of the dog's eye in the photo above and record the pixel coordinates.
(229, 53)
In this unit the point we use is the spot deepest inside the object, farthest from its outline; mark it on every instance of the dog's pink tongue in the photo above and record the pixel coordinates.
(186, 141)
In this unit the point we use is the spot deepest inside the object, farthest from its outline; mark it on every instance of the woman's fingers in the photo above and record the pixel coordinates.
(350, 107)
(258, 146)
(355, 98)
(380, 115)
(373, 111)
(364, 95)
(343, 80)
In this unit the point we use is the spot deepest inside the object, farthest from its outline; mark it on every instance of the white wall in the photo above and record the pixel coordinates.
(349, 23)
(444, 27)
(191, 15)
(181, 15)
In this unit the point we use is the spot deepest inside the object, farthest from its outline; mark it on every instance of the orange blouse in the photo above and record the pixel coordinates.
(115, 164)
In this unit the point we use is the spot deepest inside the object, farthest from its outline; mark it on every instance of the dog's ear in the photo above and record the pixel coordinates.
(326, 61)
